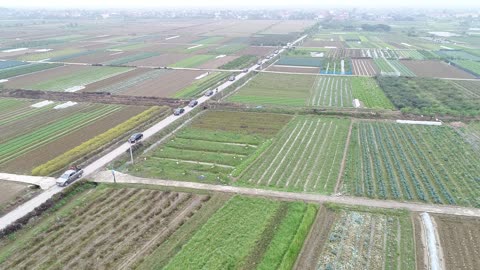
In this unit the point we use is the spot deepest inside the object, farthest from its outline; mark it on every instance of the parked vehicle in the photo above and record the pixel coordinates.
(193, 103)
(135, 138)
(178, 111)
(245, 70)
(69, 176)
(208, 93)
(232, 78)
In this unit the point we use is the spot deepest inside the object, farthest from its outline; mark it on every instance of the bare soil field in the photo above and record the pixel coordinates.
(164, 47)
(460, 240)
(238, 28)
(256, 50)
(323, 43)
(115, 79)
(31, 79)
(13, 194)
(435, 69)
(165, 85)
(288, 26)
(364, 67)
(316, 239)
(217, 62)
(313, 70)
(99, 57)
(160, 60)
(25, 163)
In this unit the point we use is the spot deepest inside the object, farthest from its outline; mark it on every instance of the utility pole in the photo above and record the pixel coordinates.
(131, 153)
(113, 173)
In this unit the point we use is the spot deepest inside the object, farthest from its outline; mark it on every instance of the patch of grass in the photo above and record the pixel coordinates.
(48, 55)
(209, 40)
(199, 86)
(278, 89)
(369, 93)
(240, 62)
(193, 61)
(25, 69)
(289, 237)
(227, 238)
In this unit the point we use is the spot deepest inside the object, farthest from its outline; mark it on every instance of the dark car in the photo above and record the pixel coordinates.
(193, 103)
(178, 111)
(208, 93)
(135, 138)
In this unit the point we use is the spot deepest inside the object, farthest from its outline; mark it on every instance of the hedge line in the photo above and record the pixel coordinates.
(94, 144)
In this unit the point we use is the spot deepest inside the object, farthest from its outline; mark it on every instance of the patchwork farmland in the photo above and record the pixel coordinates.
(213, 147)
(295, 162)
(43, 131)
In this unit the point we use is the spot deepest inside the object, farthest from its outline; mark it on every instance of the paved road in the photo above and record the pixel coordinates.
(106, 177)
(107, 158)
(42, 181)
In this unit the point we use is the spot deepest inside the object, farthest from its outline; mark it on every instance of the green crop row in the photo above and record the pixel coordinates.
(21, 70)
(228, 236)
(240, 62)
(94, 144)
(30, 141)
(193, 61)
(196, 88)
(80, 78)
(131, 58)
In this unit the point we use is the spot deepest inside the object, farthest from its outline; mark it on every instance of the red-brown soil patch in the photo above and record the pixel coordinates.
(165, 85)
(160, 60)
(435, 69)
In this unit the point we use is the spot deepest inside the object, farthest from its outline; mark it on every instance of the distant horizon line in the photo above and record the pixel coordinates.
(239, 7)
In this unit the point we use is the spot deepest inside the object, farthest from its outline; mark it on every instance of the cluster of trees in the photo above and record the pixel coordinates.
(428, 96)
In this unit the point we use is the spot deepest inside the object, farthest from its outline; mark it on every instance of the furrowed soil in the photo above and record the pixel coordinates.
(105, 229)
(160, 60)
(93, 87)
(460, 241)
(435, 69)
(256, 50)
(316, 239)
(166, 85)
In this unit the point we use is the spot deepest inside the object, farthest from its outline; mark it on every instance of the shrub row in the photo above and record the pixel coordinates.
(95, 143)
(53, 203)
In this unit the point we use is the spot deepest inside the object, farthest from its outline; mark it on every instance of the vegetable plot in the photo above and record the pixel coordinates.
(306, 156)
(425, 163)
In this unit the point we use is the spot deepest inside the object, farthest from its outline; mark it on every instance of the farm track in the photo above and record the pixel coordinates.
(106, 177)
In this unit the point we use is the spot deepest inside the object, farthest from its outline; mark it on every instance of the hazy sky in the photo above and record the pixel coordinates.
(238, 3)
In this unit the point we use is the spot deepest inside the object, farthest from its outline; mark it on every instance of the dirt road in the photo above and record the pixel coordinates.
(106, 177)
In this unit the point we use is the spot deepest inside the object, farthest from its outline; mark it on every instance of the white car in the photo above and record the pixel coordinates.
(68, 177)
